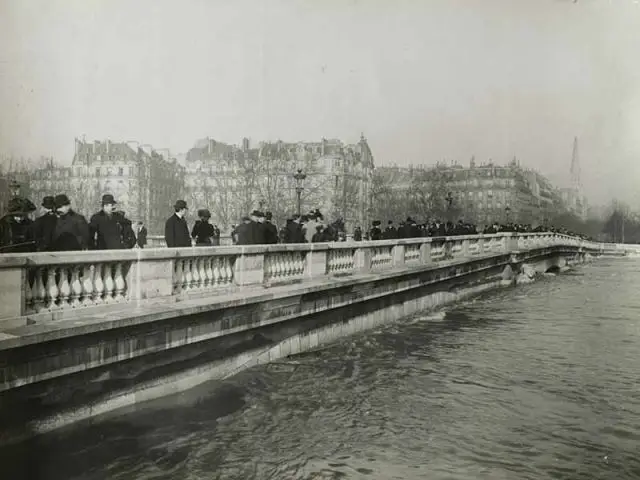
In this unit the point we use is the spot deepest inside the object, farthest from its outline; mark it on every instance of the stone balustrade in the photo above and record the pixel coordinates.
(40, 287)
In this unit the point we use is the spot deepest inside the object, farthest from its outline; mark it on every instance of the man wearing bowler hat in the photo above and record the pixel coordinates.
(176, 230)
(45, 225)
(106, 226)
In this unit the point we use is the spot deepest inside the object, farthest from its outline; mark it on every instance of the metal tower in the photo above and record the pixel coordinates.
(575, 167)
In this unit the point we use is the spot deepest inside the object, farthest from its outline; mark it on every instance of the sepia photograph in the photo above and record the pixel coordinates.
(319, 239)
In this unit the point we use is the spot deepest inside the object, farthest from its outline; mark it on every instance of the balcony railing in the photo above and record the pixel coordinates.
(41, 287)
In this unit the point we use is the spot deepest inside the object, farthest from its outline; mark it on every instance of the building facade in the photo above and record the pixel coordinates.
(232, 180)
(482, 194)
(144, 182)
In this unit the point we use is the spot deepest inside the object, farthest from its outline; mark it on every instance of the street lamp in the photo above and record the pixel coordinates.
(14, 188)
(299, 178)
(507, 211)
(449, 200)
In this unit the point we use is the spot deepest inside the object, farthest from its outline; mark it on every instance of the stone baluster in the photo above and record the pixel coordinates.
(209, 270)
(39, 292)
(76, 286)
(278, 266)
(119, 283)
(52, 289)
(268, 266)
(195, 274)
(186, 275)
(64, 287)
(222, 268)
(88, 273)
(28, 292)
(229, 269)
(109, 284)
(216, 271)
(177, 276)
(288, 264)
(202, 271)
(98, 283)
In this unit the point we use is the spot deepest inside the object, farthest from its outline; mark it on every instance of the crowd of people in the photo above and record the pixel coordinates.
(60, 228)
(409, 228)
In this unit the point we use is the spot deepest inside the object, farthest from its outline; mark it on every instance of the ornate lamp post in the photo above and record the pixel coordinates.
(449, 202)
(14, 189)
(299, 178)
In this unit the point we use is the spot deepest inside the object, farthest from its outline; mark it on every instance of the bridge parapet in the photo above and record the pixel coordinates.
(41, 287)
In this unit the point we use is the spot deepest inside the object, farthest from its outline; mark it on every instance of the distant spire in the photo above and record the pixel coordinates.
(575, 166)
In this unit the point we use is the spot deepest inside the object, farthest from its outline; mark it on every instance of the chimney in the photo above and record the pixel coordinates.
(324, 142)
(245, 144)
(107, 144)
(210, 145)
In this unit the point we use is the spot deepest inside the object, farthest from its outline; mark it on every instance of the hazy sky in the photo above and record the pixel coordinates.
(423, 79)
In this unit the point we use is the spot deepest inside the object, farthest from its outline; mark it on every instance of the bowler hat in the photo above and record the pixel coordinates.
(108, 199)
(61, 200)
(49, 202)
(180, 204)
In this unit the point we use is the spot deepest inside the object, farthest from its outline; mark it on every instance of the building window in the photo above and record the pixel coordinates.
(97, 171)
(120, 171)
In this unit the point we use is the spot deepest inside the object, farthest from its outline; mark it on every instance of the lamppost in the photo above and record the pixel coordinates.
(449, 200)
(507, 211)
(14, 189)
(299, 178)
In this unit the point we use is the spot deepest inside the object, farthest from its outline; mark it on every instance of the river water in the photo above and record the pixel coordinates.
(533, 382)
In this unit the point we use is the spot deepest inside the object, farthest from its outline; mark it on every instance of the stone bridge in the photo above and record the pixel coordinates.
(85, 333)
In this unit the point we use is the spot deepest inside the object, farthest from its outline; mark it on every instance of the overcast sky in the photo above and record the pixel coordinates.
(424, 80)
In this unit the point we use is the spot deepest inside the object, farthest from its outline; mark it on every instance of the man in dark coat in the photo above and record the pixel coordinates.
(44, 227)
(295, 233)
(176, 231)
(16, 229)
(141, 234)
(375, 233)
(106, 227)
(244, 232)
(270, 230)
(72, 229)
(257, 228)
(390, 232)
